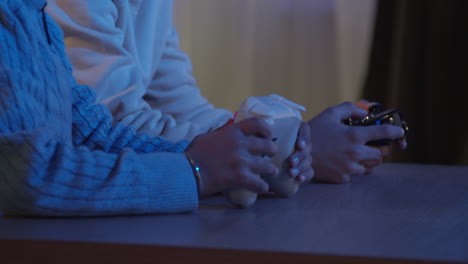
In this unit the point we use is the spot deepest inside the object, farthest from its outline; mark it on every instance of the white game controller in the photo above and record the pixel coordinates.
(285, 118)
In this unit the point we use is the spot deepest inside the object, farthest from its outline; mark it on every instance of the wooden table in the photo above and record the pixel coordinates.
(402, 212)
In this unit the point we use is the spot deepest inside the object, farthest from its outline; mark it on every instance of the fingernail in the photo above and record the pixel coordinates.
(295, 161)
(293, 172)
(404, 144)
(301, 178)
(302, 144)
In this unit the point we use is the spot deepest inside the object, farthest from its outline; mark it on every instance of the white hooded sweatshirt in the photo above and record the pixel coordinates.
(128, 51)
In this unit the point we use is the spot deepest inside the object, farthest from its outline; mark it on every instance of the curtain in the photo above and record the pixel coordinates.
(418, 63)
(313, 52)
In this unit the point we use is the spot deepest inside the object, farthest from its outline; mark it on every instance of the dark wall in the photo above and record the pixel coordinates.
(419, 63)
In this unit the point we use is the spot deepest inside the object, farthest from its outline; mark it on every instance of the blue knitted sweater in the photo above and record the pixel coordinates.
(59, 153)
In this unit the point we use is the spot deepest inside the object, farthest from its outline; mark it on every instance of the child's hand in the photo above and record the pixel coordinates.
(301, 159)
(385, 150)
(340, 151)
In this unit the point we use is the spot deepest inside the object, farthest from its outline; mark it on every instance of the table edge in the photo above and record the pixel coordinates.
(30, 251)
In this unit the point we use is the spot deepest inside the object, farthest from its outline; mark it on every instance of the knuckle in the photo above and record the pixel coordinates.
(232, 135)
(348, 169)
(305, 159)
(348, 104)
(332, 111)
(265, 167)
(352, 134)
(352, 153)
(272, 169)
(236, 146)
(391, 131)
(238, 161)
(242, 176)
(255, 183)
(260, 143)
(256, 120)
(256, 146)
(388, 131)
(272, 148)
(379, 153)
(263, 145)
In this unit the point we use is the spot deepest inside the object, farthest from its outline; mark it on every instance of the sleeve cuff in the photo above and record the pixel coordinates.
(171, 184)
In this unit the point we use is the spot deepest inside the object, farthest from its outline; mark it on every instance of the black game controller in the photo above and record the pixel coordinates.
(378, 117)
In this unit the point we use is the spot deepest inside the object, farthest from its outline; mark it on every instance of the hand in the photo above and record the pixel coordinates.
(300, 160)
(231, 157)
(338, 150)
(370, 165)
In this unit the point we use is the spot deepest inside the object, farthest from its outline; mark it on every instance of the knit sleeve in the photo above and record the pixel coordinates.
(92, 127)
(42, 174)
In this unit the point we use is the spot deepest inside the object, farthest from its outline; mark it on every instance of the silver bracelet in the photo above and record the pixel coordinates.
(196, 172)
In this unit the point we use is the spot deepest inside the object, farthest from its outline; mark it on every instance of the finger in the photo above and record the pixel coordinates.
(261, 147)
(255, 183)
(297, 157)
(300, 170)
(255, 127)
(262, 166)
(306, 176)
(303, 136)
(402, 144)
(385, 150)
(346, 110)
(300, 163)
(356, 169)
(377, 132)
(364, 152)
(370, 164)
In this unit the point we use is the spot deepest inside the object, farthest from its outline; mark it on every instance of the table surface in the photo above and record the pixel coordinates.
(402, 211)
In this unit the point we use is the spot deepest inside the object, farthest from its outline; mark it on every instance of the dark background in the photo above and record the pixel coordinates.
(418, 64)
